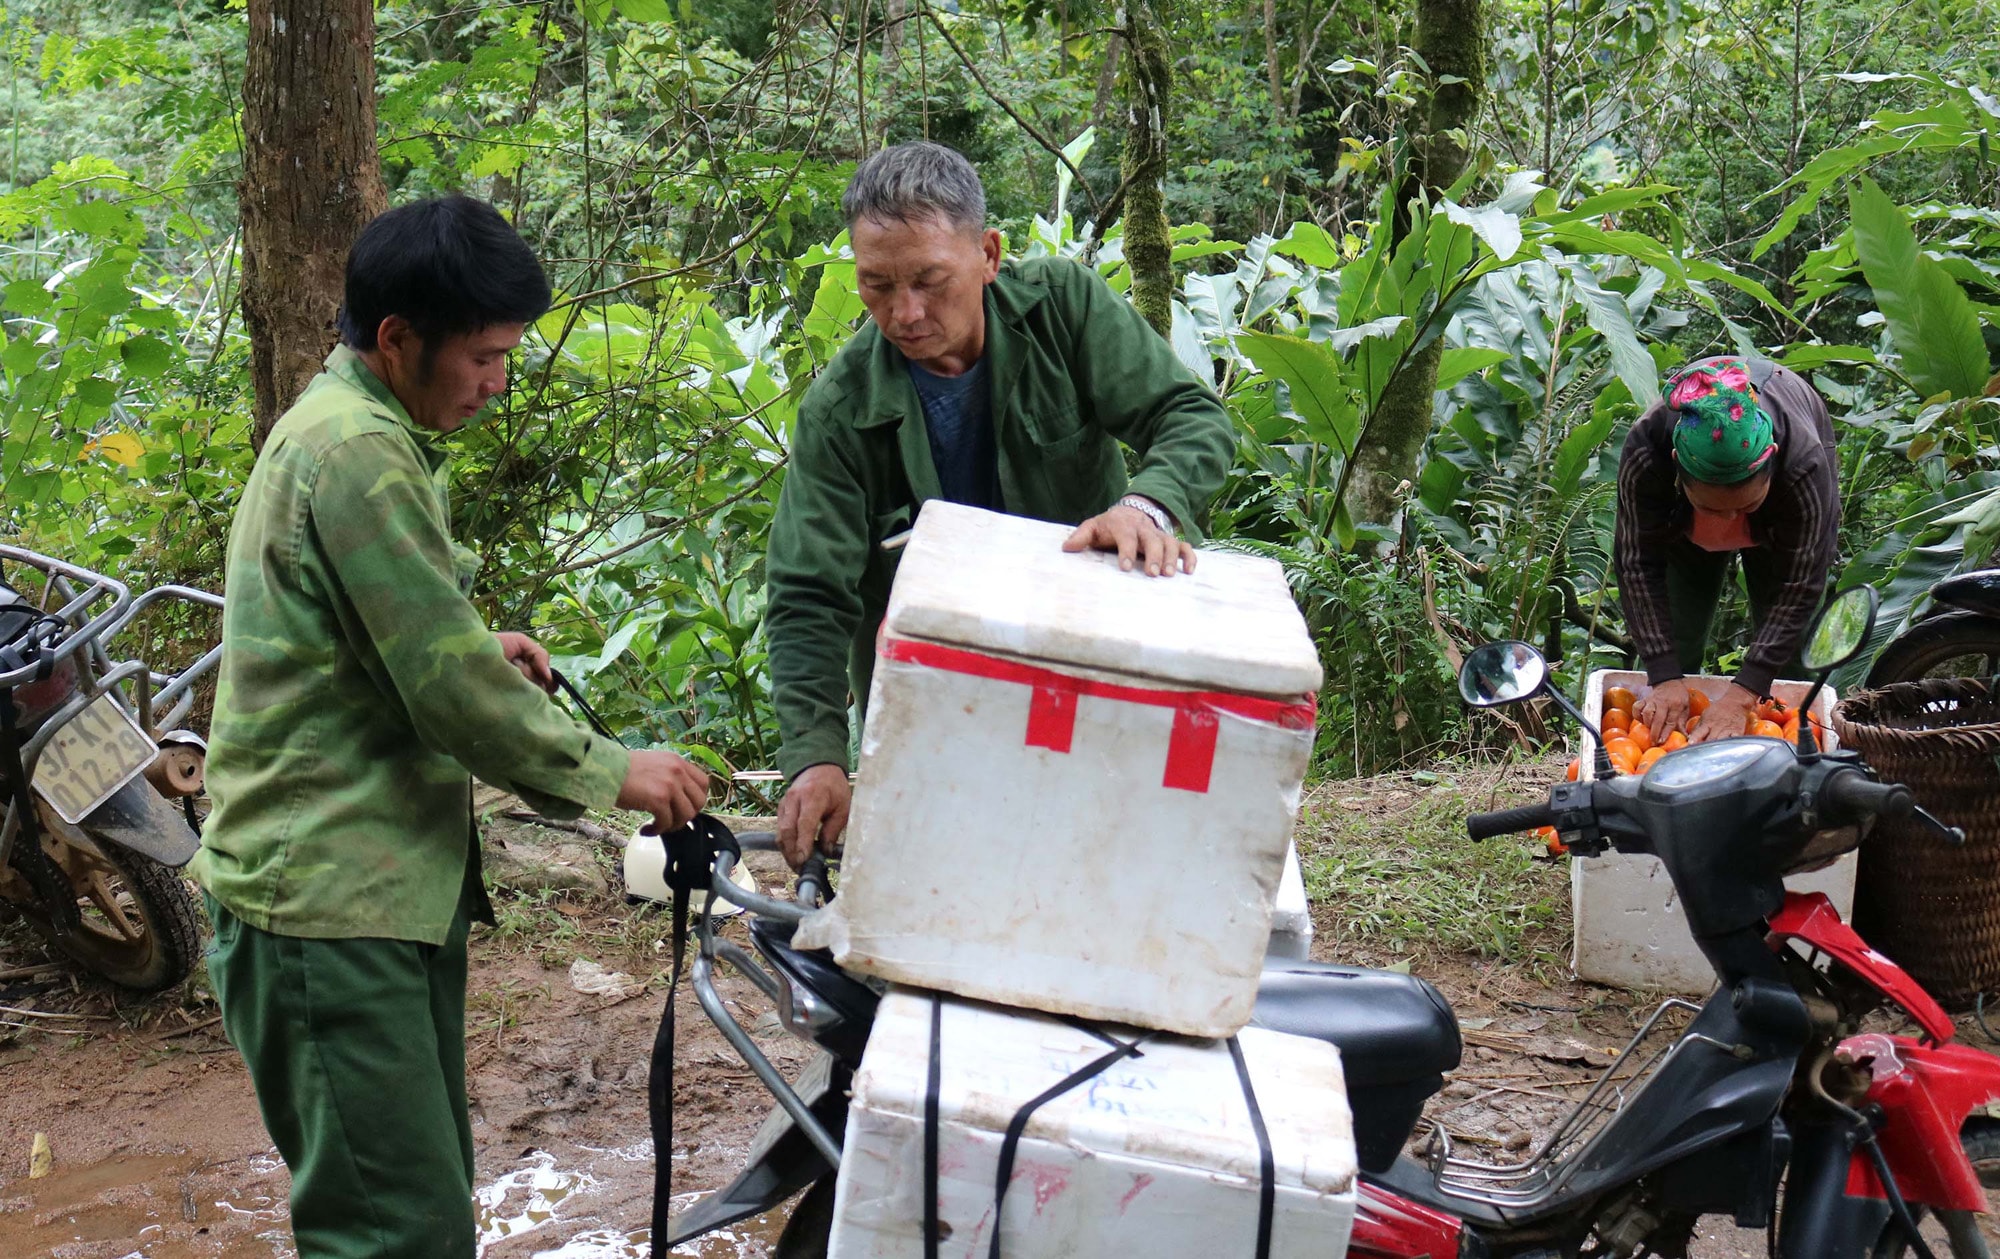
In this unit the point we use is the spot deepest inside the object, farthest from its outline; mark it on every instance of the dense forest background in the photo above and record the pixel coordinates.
(1434, 255)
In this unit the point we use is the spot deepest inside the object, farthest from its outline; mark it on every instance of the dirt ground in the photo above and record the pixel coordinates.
(159, 1152)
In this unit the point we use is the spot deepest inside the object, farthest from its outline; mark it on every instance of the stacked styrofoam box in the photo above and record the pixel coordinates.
(1630, 931)
(1077, 784)
(1291, 915)
(1155, 1156)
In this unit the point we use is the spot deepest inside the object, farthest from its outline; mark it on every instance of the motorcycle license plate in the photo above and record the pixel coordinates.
(94, 754)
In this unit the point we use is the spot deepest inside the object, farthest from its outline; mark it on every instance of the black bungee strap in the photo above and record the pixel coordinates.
(1267, 1189)
(933, 1081)
(1019, 1124)
(1267, 1166)
(691, 853)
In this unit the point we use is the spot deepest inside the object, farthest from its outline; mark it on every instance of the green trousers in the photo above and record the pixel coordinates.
(357, 1052)
(1694, 590)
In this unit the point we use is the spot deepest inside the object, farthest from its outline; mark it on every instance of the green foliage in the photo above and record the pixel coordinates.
(1655, 179)
(1930, 320)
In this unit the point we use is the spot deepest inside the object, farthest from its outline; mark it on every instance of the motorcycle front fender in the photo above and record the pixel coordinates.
(1822, 1219)
(782, 1160)
(140, 818)
(1926, 1093)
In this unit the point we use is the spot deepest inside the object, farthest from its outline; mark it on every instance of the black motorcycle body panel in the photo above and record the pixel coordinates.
(1820, 1220)
(1702, 1098)
(1977, 592)
(815, 971)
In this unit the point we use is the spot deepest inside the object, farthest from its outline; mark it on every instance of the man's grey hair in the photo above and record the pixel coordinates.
(915, 181)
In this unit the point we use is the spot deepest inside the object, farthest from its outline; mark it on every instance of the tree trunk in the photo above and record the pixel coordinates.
(1451, 38)
(311, 180)
(1143, 166)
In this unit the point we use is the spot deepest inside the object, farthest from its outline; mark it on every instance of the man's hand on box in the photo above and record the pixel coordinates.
(665, 785)
(530, 657)
(1136, 538)
(814, 811)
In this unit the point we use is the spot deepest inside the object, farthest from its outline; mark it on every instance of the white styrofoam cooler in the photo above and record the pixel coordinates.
(1291, 914)
(1630, 931)
(1077, 785)
(1156, 1156)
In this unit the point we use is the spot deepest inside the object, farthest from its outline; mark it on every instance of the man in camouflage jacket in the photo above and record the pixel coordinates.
(359, 692)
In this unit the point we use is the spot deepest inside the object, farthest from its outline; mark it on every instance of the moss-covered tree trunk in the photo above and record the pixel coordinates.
(311, 181)
(1143, 165)
(1451, 37)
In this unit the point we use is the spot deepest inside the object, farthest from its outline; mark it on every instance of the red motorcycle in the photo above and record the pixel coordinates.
(1768, 1103)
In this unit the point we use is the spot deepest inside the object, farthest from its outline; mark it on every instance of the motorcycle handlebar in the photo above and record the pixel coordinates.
(815, 886)
(1508, 821)
(1851, 793)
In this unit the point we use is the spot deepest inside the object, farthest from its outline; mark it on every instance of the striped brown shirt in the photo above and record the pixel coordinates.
(1799, 521)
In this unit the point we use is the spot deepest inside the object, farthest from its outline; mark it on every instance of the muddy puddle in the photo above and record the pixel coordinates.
(541, 1196)
(172, 1207)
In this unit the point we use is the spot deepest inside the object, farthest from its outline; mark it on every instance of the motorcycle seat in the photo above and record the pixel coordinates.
(1974, 592)
(1390, 1028)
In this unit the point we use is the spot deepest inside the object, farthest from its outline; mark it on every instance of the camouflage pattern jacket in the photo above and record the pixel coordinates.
(360, 690)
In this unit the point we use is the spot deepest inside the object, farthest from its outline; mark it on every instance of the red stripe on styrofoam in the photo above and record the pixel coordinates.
(1191, 749)
(1051, 718)
(1052, 707)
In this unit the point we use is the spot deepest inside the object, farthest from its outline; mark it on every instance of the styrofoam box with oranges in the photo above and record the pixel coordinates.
(1629, 929)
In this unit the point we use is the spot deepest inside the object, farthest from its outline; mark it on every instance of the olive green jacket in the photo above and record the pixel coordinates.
(360, 690)
(1074, 370)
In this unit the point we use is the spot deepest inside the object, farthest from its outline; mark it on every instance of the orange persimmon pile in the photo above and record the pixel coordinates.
(1630, 745)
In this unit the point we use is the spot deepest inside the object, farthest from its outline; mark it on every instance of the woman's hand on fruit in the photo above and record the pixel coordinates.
(1728, 715)
(1665, 709)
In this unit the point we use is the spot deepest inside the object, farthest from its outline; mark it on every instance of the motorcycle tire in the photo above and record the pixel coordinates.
(1981, 1139)
(1950, 644)
(134, 924)
(810, 1227)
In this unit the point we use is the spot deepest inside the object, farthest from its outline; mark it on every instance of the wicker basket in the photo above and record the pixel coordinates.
(1932, 907)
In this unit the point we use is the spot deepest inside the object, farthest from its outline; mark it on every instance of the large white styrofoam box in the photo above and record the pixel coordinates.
(1630, 931)
(1077, 785)
(1155, 1156)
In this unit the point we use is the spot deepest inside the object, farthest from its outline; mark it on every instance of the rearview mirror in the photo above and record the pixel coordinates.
(1842, 630)
(1501, 673)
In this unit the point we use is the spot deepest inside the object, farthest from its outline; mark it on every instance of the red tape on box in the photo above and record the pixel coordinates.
(1052, 706)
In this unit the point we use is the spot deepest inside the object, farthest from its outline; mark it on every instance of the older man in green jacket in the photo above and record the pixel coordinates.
(1004, 386)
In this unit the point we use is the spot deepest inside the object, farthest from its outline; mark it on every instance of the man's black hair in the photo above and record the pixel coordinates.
(449, 265)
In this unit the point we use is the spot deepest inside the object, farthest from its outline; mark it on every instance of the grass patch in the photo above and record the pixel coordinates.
(558, 927)
(1389, 869)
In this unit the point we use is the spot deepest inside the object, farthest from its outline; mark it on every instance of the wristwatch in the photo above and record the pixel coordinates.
(1152, 510)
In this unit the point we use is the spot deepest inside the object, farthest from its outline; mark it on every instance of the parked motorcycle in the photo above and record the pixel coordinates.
(1767, 1103)
(90, 752)
(1958, 637)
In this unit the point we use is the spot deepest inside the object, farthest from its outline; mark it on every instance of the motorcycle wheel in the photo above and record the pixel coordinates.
(1981, 1139)
(119, 915)
(810, 1227)
(1949, 645)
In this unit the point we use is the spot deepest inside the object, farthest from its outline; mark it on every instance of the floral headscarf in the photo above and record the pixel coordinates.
(1721, 435)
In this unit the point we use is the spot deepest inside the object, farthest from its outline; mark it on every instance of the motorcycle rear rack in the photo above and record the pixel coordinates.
(1546, 1170)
